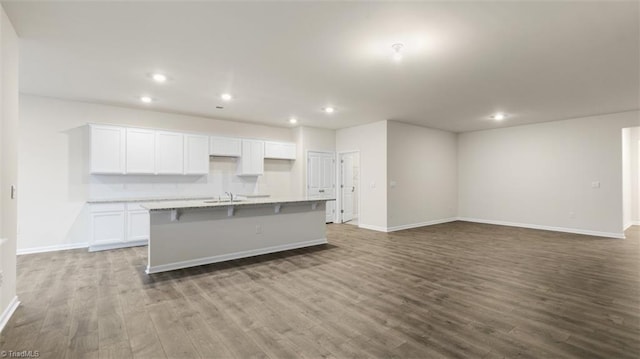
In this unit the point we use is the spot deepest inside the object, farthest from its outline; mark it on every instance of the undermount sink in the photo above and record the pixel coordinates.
(224, 201)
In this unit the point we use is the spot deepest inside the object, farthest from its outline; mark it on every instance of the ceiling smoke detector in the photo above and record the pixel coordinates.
(397, 52)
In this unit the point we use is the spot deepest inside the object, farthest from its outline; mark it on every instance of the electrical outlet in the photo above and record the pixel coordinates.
(1, 278)
(258, 229)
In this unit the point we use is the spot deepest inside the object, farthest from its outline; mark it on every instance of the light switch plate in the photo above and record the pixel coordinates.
(595, 184)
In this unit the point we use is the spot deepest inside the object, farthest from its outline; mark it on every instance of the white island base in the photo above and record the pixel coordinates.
(184, 237)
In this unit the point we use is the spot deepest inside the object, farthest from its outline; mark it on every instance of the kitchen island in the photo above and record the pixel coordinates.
(197, 232)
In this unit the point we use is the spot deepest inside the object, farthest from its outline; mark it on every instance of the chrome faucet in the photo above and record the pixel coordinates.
(230, 195)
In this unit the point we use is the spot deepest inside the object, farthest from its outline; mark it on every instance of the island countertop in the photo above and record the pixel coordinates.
(207, 203)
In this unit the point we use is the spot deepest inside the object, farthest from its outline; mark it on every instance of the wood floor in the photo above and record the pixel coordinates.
(450, 290)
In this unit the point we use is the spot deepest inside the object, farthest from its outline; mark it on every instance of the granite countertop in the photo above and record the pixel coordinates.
(150, 199)
(169, 198)
(204, 203)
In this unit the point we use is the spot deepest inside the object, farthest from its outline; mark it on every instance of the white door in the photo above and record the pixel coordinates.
(348, 187)
(321, 179)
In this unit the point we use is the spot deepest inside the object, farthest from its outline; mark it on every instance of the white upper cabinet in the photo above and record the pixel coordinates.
(251, 163)
(108, 148)
(280, 150)
(225, 146)
(141, 151)
(123, 150)
(196, 154)
(169, 153)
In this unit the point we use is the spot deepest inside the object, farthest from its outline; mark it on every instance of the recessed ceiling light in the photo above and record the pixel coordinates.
(397, 52)
(158, 77)
(226, 97)
(293, 120)
(499, 116)
(329, 109)
(146, 99)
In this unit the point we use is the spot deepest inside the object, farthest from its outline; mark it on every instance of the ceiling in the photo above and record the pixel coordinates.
(537, 61)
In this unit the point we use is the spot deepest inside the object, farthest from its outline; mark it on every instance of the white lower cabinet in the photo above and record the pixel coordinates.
(117, 225)
(138, 223)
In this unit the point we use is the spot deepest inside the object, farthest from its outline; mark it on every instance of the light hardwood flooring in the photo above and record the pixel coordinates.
(451, 290)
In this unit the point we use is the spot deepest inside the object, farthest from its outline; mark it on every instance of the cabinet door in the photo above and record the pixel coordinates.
(138, 224)
(257, 157)
(252, 161)
(289, 151)
(280, 150)
(272, 150)
(225, 146)
(107, 227)
(141, 151)
(107, 149)
(196, 154)
(330, 211)
(169, 152)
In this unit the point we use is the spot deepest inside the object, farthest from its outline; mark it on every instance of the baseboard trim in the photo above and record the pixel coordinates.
(371, 227)
(57, 247)
(545, 228)
(635, 223)
(8, 313)
(421, 224)
(106, 247)
(231, 256)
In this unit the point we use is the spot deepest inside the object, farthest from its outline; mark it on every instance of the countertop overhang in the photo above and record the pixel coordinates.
(212, 203)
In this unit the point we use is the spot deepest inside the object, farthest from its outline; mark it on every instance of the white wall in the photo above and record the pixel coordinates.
(634, 175)
(53, 170)
(540, 175)
(371, 141)
(422, 176)
(8, 163)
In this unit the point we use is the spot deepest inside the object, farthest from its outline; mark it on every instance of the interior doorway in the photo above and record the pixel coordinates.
(321, 179)
(349, 178)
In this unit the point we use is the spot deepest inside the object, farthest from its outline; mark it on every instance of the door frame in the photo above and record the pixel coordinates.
(339, 188)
